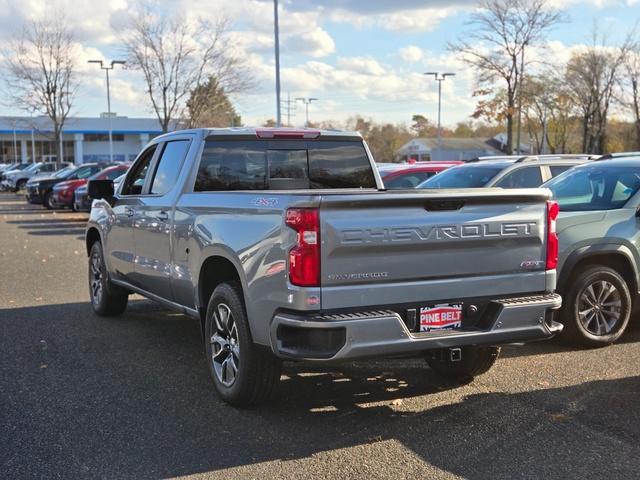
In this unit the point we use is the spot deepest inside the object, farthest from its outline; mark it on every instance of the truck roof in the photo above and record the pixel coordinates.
(268, 132)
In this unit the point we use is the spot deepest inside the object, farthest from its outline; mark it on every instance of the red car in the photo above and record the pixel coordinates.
(409, 175)
(63, 193)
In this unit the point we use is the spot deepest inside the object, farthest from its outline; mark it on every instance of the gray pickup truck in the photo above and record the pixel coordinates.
(283, 244)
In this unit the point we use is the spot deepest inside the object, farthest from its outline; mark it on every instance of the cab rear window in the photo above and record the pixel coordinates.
(283, 165)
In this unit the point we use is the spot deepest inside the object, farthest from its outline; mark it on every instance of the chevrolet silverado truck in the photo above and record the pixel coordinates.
(284, 245)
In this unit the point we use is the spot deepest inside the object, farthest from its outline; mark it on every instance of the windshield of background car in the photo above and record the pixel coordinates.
(405, 180)
(462, 177)
(598, 187)
(296, 164)
(63, 171)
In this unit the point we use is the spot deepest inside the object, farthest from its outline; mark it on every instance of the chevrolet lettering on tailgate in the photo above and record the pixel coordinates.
(438, 232)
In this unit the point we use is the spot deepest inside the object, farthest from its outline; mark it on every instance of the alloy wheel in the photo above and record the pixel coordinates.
(225, 347)
(95, 278)
(600, 308)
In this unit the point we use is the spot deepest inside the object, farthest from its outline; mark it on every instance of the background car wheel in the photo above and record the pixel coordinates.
(475, 361)
(244, 374)
(597, 307)
(48, 201)
(20, 185)
(107, 299)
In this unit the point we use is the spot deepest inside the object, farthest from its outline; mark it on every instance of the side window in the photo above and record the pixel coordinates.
(138, 173)
(409, 180)
(169, 166)
(526, 177)
(558, 169)
(231, 166)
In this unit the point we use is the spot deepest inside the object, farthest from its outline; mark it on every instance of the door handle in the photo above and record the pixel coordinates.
(163, 216)
(130, 212)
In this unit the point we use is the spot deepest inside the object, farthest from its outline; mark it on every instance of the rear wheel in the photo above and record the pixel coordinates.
(107, 299)
(20, 185)
(48, 200)
(473, 361)
(243, 373)
(597, 307)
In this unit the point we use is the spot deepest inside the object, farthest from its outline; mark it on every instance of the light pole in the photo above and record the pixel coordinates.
(306, 102)
(440, 77)
(276, 33)
(106, 69)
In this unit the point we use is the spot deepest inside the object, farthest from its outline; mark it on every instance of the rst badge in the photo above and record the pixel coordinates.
(445, 316)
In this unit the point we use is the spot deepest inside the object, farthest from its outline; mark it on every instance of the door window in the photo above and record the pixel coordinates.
(138, 173)
(526, 177)
(169, 166)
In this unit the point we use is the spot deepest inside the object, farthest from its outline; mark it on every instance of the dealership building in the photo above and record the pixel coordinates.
(84, 139)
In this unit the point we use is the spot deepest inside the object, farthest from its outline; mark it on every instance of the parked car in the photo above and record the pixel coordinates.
(282, 245)
(504, 172)
(14, 168)
(404, 175)
(599, 248)
(17, 180)
(40, 189)
(80, 199)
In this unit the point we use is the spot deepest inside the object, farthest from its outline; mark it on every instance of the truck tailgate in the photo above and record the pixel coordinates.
(383, 248)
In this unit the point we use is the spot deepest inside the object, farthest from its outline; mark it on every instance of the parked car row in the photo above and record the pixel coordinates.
(57, 187)
(599, 252)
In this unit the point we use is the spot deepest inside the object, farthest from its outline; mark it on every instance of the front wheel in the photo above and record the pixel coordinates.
(48, 201)
(20, 185)
(107, 299)
(243, 374)
(597, 307)
(473, 361)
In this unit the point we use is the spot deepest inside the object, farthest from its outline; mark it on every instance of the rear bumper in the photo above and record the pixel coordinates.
(383, 333)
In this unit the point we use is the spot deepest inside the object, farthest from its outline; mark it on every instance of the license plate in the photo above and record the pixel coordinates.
(445, 316)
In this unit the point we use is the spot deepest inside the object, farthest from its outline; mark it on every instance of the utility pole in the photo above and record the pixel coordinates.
(520, 102)
(276, 32)
(440, 77)
(289, 108)
(106, 69)
(15, 145)
(306, 102)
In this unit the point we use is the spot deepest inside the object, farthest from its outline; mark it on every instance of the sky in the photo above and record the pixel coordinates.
(364, 57)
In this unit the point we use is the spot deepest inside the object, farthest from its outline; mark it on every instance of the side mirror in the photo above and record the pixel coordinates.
(100, 189)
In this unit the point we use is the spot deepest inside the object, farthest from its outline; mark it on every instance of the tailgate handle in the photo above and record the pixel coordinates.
(440, 205)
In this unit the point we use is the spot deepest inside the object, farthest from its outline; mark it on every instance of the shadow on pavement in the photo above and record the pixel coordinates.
(84, 396)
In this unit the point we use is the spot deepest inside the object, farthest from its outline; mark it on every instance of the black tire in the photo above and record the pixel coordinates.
(252, 373)
(47, 201)
(20, 185)
(475, 361)
(107, 299)
(591, 331)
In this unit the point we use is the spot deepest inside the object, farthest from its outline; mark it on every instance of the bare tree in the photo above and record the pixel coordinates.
(592, 77)
(501, 33)
(633, 79)
(40, 72)
(548, 109)
(175, 56)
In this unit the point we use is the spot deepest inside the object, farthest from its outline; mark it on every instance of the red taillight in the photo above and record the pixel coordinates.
(286, 133)
(304, 258)
(553, 209)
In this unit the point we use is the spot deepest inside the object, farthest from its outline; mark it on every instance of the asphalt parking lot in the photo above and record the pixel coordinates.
(88, 397)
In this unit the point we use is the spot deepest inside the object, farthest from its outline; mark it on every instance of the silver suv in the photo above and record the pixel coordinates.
(599, 258)
(505, 172)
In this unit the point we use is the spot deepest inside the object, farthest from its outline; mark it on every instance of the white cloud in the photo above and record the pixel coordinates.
(362, 65)
(316, 43)
(411, 54)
